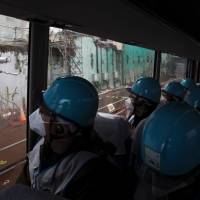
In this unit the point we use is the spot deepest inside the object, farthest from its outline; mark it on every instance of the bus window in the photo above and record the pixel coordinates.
(172, 68)
(108, 65)
(139, 63)
(13, 97)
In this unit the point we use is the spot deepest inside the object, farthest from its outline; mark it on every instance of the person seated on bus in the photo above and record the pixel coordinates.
(69, 160)
(145, 96)
(111, 128)
(193, 98)
(173, 91)
(188, 83)
(168, 154)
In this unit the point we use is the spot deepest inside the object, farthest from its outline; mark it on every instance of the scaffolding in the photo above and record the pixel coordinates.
(69, 45)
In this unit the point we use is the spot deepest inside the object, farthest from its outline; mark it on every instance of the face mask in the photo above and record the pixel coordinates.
(128, 105)
(36, 123)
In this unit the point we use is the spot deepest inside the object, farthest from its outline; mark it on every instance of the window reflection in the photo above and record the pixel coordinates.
(13, 97)
(172, 68)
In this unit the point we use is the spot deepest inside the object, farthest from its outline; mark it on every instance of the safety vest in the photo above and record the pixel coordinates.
(56, 178)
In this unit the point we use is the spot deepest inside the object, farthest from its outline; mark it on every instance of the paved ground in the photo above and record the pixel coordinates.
(12, 150)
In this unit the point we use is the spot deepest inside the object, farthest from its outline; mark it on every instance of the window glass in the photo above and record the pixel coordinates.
(139, 64)
(107, 64)
(13, 97)
(172, 68)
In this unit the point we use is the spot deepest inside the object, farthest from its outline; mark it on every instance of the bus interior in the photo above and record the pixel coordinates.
(110, 43)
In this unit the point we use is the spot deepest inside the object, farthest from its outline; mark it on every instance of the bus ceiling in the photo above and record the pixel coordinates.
(124, 21)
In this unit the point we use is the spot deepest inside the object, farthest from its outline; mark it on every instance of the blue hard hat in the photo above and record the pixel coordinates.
(171, 138)
(73, 98)
(148, 88)
(188, 83)
(193, 97)
(175, 89)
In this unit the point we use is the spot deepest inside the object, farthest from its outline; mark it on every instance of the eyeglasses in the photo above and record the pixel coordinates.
(139, 100)
(170, 97)
(51, 118)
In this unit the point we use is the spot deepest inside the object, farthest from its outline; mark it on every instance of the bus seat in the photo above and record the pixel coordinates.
(114, 129)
